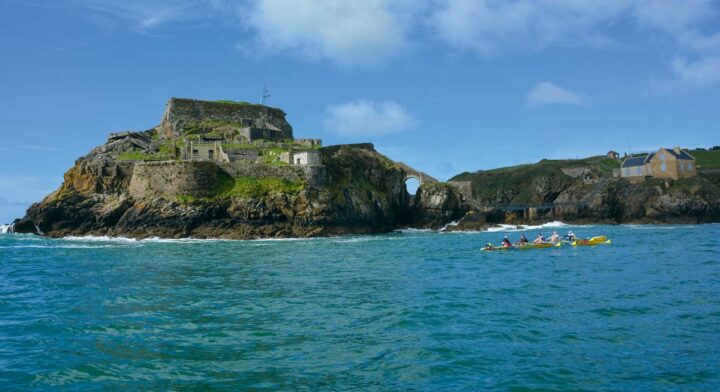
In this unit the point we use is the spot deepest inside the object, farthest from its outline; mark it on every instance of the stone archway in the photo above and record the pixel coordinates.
(412, 184)
(416, 174)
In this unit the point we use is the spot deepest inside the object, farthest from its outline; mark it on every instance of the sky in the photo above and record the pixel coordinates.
(445, 86)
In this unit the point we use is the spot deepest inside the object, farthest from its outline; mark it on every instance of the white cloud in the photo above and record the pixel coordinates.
(701, 43)
(365, 118)
(546, 93)
(703, 72)
(370, 32)
(145, 15)
(345, 32)
(671, 15)
(489, 26)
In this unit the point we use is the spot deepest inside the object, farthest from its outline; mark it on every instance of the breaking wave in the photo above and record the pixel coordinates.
(6, 229)
(549, 225)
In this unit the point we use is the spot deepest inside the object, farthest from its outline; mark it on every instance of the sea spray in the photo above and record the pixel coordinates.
(7, 229)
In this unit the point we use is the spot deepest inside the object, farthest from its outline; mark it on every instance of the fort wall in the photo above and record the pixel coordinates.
(203, 178)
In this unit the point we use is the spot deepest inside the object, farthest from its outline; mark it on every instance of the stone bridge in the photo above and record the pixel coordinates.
(412, 173)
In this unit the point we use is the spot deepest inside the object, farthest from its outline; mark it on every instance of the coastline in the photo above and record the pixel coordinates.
(501, 228)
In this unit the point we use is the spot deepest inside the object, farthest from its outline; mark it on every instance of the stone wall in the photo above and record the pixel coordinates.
(463, 187)
(313, 175)
(172, 178)
(180, 112)
(203, 178)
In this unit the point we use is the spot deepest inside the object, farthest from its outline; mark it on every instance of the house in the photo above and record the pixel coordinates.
(203, 151)
(672, 163)
(613, 154)
(309, 157)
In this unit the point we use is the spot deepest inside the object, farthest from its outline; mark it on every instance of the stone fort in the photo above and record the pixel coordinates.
(198, 141)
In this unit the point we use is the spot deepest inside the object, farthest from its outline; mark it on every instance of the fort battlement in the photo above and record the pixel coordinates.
(190, 116)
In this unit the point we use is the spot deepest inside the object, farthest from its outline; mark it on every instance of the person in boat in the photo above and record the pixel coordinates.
(506, 242)
(570, 236)
(540, 239)
(555, 237)
(523, 240)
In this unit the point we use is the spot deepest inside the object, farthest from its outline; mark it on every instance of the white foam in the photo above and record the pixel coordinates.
(58, 246)
(451, 224)
(549, 225)
(413, 230)
(658, 227)
(6, 229)
(127, 240)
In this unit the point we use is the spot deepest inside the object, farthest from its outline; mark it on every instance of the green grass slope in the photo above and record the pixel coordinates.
(706, 159)
(536, 183)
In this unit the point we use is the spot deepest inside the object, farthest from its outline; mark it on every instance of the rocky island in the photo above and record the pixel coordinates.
(224, 169)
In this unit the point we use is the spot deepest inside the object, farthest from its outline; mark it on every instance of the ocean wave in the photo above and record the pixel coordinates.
(549, 225)
(413, 230)
(127, 240)
(189, 240)
(52, 246)
(6, 229)
(658, 227)
(451, 224)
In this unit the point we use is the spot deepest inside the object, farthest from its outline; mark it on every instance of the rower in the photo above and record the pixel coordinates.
(570, 236)
(523, 240)
(539, 240)
(555, 237)
(506, 242)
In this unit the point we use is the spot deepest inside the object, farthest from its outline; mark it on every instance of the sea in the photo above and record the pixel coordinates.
(409, 310)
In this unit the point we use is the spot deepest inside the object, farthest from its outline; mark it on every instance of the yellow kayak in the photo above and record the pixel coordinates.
(592, 241)
(538, 246)
(521, 247)
(489, 248)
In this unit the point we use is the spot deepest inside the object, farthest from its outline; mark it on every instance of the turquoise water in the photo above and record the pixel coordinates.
(410, 310)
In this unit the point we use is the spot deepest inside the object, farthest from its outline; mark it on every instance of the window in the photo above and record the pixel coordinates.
(638, 170)
(689, 166)
(211, 154)
(297, 161)
(663, 167)
(662, 157)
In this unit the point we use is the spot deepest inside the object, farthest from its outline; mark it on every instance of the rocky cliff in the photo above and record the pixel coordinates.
(364, 193)
(584, 191)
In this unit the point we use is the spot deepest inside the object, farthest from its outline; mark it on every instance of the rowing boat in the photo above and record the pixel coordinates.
(538, 246)
(521, 247)
(599, 240)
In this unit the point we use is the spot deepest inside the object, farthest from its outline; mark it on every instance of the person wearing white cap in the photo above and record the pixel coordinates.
(570, 236)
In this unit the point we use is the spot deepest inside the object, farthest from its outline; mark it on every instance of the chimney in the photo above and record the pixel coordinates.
(677, 150)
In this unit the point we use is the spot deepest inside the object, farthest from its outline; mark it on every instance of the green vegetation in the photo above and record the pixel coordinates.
(229, 187)
(706, 159)
(233, 102)
(533, 183)
(208, 125)
(238, 146)
(166, 152)
(259, 187)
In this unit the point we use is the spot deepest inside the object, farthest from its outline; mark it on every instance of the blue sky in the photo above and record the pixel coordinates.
(443, 85)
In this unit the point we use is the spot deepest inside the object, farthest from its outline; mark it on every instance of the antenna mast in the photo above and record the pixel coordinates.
(266, 95)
